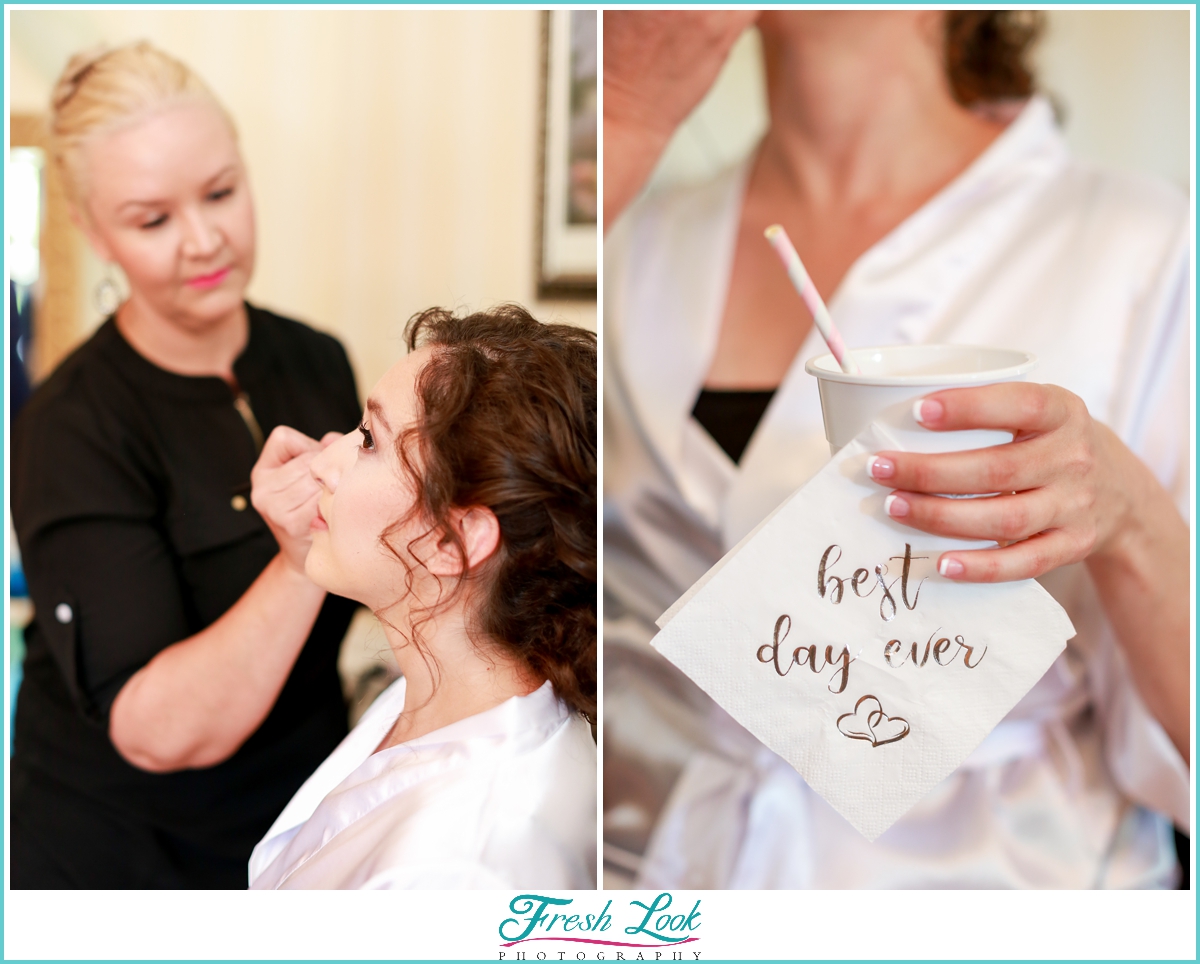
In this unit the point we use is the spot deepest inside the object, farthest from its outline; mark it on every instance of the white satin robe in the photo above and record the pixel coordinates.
(504, 799)
(1027, 249)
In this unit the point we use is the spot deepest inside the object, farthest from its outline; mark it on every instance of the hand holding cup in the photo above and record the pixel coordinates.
(1068, 487)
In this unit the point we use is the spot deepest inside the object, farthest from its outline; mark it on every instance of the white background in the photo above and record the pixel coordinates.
(734, 925)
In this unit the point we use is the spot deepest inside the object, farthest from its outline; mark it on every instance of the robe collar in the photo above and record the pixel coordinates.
(353, 781)
(670, 293)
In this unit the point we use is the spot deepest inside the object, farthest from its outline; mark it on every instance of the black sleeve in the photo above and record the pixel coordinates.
(101, 573)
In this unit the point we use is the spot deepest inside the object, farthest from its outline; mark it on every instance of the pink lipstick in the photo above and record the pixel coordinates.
(318, 523)
(209, 280)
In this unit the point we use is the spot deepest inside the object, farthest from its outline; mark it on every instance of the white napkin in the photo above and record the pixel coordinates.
(871, 736)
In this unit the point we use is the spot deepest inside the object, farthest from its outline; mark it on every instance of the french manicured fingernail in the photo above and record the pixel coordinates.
(880, 468)
(896, 506)
(928, 410)
(950, 568)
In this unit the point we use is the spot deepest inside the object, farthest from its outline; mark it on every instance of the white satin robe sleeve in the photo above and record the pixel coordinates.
(1156, 424)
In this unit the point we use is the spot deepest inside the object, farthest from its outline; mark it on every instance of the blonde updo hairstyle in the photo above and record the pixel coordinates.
(106, 88)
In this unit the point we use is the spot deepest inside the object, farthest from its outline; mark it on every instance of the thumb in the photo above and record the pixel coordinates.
(329, 438)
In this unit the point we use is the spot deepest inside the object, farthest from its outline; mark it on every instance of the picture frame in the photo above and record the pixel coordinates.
(568, 236)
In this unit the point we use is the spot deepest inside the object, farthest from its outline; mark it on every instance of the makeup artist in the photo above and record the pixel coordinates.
(181, 681)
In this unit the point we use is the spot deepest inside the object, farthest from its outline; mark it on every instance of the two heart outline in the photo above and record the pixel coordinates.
(876, 727)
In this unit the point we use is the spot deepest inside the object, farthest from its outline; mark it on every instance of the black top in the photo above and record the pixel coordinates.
(731, 417)
(130, 496)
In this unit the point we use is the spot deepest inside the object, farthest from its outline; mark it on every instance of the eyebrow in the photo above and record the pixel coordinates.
(157, 203)
(376, 411)
(141, 204)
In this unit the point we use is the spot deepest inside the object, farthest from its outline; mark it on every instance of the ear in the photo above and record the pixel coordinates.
(479, 530)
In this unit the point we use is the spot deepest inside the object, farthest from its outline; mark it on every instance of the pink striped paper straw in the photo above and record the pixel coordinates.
(808, 291)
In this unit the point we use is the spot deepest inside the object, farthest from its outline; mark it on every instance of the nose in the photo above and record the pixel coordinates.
(202, 238)
(329, 463)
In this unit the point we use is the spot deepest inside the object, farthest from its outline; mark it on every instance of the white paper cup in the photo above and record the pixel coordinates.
(894, 376)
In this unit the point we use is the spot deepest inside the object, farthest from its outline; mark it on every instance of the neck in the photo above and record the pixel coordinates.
(449, 677)
(209, 350)
(861, 111)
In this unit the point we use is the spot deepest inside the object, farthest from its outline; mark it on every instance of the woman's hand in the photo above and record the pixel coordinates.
(284, 492)
(1069, 487)
(658, 65)
(1070, 491)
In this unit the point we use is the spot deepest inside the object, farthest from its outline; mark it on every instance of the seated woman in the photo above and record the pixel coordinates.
(463, 512)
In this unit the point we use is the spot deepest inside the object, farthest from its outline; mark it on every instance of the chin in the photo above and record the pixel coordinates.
(318, 570)
(207, 308)
(219, 302)
(314, 569)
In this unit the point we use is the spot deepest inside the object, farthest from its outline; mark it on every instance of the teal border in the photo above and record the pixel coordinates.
(618, 4)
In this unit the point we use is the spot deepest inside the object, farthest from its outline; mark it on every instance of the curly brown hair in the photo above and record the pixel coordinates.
(507, 420)
(987, 53)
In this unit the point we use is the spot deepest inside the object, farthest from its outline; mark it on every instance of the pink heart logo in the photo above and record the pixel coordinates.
(869, 722)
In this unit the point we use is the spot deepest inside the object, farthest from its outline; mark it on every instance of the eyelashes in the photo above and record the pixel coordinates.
(161, 219)
(368, 439)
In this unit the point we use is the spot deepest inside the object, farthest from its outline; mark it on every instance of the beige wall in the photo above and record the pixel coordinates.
(393, 154)
(1122, 76)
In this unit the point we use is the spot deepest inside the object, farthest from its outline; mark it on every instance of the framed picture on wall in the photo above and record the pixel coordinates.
(568, 238)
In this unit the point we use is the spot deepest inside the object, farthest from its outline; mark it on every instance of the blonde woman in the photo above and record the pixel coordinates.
(180, 682)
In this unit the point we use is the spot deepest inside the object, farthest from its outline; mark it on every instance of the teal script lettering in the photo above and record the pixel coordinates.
(676, 926)
(535, 907)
